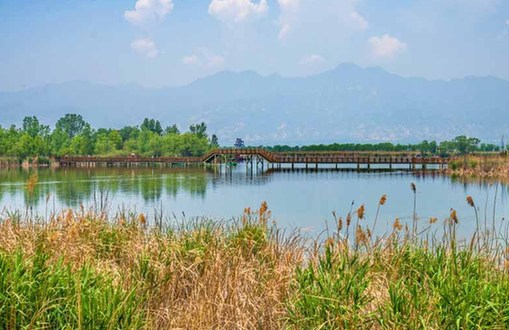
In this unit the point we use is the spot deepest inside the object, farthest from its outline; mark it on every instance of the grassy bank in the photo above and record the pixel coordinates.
(495, 165)
(6, 162)
(81, 270)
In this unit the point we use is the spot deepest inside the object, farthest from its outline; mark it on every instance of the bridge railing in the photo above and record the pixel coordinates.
(276, 157)
(269, 156)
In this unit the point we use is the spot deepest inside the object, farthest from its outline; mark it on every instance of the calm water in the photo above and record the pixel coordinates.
(297, 199)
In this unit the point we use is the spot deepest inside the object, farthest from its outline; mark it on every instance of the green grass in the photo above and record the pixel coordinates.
(407, 288)
(35, 294)
(80, 270)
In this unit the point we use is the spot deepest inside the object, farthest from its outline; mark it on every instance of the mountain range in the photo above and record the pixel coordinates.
(345, 104)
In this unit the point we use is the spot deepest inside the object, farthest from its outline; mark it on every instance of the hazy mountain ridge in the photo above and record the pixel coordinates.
(347, 103)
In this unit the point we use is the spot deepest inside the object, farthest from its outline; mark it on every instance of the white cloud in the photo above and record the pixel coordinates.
(238, 10)
(148, 12)
(329, 17)
(386, 46)
(288, 4)
(507, 22)
(203, 57)
(288, 17)
(283, 31)
(312, 59)
(146, 47)
(358, 21)
(191, 59)
(215, 61)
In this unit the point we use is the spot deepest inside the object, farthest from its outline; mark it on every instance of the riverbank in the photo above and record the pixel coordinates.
(14, 162)
(493, 166)
(80, 269)
(9, 162)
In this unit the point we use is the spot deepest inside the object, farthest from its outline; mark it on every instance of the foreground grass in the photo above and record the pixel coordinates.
(80, 270)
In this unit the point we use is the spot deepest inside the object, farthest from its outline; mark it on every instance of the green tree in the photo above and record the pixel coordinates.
(128, 132)
(152, 125)
(60, 143)
(32, 127)
(9, 137)
(200, 130)
(71, 125)
(465, 144)
(214, 141)
(103, 145)
(173, 129)
(115, 139)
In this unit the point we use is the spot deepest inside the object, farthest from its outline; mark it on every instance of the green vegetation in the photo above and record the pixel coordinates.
(481, 165)
(405, 287)
(38, 293)
(458, 146)
(83, 270)
(72, 135)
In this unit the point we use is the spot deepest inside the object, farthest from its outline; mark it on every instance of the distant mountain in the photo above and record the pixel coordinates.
(348, 103)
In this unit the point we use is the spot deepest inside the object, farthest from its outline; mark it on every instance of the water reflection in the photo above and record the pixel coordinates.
(301, 198)
(74, 186)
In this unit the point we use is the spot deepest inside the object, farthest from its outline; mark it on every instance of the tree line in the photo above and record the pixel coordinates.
(460, 145)
(72, 135)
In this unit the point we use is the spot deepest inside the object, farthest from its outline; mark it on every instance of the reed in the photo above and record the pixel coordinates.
(414, 214)
(496, 165)
(83, 269)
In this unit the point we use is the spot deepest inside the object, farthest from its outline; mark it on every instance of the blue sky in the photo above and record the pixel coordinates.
(159, 43)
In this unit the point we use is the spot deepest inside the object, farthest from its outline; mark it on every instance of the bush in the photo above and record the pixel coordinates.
(454, 165)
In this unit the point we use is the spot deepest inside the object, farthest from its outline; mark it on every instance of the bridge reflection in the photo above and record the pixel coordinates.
(73, 187)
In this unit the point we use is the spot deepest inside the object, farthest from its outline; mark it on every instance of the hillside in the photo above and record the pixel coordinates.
(347, 103)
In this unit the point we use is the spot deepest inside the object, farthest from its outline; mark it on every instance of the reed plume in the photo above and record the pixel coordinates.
(470, 201)
(381, 202)
(414, 218)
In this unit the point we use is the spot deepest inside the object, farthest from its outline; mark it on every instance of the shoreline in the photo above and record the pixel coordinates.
(492, 167)
(482, 167)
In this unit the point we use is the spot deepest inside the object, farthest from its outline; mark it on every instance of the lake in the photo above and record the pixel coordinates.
(297, 199)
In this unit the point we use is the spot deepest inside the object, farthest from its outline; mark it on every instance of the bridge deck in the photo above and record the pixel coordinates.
(311, 157)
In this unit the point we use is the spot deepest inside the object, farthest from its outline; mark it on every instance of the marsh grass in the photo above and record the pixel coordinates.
(404, 280)
(481, 165)
(81, 269)
(84, 270)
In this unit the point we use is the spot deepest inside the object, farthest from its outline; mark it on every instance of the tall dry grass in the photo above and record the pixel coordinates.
(83, 270)
(496, 166)
(201, 275)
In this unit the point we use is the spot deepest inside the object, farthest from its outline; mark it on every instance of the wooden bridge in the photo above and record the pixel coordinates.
(255, 157)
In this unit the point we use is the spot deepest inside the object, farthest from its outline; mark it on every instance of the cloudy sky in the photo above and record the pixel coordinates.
(159, 43)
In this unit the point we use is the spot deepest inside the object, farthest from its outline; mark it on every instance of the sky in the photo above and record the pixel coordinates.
(159, 43)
